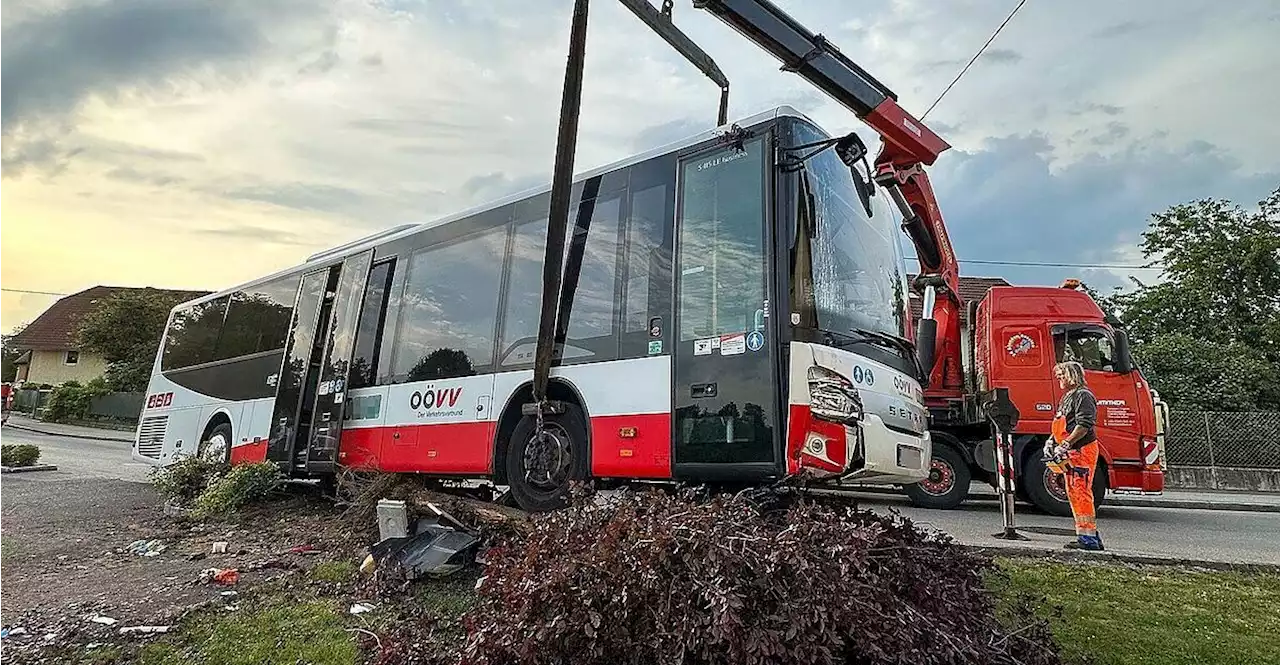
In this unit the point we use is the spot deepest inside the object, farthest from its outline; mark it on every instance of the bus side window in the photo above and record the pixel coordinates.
(646, 290)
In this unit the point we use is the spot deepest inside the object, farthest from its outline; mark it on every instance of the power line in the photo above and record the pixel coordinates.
(974, 58)
(38, 293)
(1045, 264)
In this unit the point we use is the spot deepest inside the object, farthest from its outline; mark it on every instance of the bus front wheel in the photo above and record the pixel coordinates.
(541, 468)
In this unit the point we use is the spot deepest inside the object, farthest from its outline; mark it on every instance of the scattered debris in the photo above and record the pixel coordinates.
(222, 576)
(145, 630)
(104, 620)
(393, 519)
(304, 549)
(220, 547)
(440, 546)
(12, 632)
(361, 608)
(230, 594)
(146, 547)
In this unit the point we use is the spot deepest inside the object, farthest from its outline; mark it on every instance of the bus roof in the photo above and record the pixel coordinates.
(397, 232)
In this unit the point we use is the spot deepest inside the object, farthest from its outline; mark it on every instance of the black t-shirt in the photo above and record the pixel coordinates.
(1080, 407)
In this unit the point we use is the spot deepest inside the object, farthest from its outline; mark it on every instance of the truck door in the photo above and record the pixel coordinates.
(724, 398)
(1093, 346)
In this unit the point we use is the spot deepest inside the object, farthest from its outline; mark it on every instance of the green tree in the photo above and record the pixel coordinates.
(1208, 337)
(9, 356)
(126, 329)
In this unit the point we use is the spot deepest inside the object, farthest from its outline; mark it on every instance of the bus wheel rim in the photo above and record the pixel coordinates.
(941, 478)
(215, 449)
(547, 458)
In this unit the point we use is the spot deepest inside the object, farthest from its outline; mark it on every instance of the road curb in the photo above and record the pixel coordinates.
(1125, 502)
(69, 435)
(1080, 556)
(28, 469)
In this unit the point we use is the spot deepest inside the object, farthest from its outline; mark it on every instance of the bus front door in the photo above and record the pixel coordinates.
(725, 418)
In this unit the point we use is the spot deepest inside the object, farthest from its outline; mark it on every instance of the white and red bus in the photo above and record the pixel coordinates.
(740, 315)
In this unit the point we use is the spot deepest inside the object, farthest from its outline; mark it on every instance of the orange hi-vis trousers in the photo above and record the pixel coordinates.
(1079, 483)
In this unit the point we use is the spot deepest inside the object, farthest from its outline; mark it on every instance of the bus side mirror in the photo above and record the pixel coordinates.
(1123, 362)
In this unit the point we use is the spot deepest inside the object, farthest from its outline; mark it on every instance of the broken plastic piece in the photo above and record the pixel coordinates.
(104, 620)
(435, 549)
(361, 608)
(220, 547)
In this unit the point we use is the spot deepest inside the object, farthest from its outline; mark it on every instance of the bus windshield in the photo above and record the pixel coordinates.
(854, 259)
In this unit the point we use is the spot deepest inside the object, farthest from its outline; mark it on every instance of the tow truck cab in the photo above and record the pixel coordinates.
(1020, 332)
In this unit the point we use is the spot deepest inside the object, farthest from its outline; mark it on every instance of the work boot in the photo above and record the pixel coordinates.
(1090, 543)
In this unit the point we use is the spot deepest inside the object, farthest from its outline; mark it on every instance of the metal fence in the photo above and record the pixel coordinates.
(121, 406)
(1248, 440)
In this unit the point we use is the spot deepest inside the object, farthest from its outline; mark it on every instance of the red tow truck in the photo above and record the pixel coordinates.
(1019, 332)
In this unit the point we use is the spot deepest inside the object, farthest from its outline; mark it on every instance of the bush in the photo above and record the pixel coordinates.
(181, 482)
(70, 401)
(239, 487)
(19, 455)
(655, 579)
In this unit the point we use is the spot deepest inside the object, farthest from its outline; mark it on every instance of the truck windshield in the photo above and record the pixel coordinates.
(855, 273)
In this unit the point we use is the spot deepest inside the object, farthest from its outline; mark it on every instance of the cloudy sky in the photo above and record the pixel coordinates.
(198, 143)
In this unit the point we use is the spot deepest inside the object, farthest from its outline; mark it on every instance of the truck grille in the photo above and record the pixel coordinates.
(151, 436)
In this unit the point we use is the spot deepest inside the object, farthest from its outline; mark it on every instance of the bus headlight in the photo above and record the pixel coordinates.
(833, 397)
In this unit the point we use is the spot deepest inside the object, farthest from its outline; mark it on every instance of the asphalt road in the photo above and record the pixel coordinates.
(1224, 536)
(76, 458)
(1207, 535)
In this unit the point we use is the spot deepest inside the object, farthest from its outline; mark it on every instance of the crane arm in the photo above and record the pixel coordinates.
(908, 147)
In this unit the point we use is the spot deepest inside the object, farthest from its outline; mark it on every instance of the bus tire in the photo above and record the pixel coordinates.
(540, 475)
(217, 437)
(948, 483)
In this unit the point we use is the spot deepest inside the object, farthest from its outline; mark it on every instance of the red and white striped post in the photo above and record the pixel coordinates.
(1003, 415)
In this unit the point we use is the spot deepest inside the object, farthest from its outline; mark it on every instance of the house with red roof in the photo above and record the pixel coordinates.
(49, 350)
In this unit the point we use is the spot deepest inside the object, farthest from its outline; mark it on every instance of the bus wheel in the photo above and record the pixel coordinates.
(539, 470)
(948, 482)
(216, 447)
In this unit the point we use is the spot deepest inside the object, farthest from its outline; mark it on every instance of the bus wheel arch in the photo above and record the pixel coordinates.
(557, 390)
(216, 439)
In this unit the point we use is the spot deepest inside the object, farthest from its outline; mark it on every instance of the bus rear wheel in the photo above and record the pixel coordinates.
(216, 446)
(540, 469)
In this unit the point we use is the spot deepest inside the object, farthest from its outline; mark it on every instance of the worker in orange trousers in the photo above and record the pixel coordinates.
(1075, 454)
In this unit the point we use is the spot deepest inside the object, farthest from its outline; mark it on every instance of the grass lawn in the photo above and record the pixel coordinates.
(1112, 614)
(1129, 615)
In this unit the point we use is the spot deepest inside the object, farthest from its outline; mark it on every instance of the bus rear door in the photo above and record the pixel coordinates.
(306, 424)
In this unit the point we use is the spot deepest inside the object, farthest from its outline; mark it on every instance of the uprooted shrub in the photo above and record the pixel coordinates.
(241, 486)
(652, 578)
(182, 481)
(22, 454)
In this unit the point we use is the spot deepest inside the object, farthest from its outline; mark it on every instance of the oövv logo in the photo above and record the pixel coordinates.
(433, 398)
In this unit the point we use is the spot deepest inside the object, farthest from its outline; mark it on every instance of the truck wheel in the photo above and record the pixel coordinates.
(1047, 491)
(539, 472)
(948, 482)
(1045, 488)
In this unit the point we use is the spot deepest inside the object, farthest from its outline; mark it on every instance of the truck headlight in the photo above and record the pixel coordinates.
(833, 397)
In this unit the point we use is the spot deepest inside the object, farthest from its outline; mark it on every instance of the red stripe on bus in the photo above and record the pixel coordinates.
(643, 453)
(249, 453)
(467, 448)
(448, 448)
